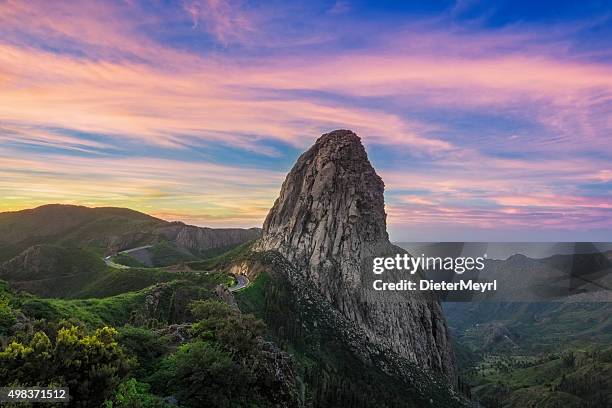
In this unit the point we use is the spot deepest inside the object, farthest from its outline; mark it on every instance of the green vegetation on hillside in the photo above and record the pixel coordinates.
(127, 260)
(165, 254)
(573, 378)
(197, 350)
(546, 354)
(71, 226)
(51, 270)
(50, 261)
(226, 363)
(155, 336)
(117, 281)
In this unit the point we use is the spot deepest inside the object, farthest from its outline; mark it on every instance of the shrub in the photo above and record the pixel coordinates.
(91, 366)
(134, 394)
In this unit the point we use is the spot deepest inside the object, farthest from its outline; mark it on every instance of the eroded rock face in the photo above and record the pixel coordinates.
(193, 239)
(197, 239)
(328, 222)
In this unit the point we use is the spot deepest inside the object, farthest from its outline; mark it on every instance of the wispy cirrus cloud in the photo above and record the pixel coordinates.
(478, 115)
(227, 21)
(206, 100)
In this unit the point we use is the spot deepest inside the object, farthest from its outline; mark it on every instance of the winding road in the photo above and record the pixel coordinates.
(241, 283)
(241, 280)
(109, 262)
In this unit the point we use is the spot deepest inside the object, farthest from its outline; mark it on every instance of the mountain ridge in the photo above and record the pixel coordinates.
(110, 228)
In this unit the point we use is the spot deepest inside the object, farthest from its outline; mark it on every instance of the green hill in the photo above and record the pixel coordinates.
(110, 230)
(70, 225)
(117, 281)
(70, 222)
(51, 270)
(57, 250)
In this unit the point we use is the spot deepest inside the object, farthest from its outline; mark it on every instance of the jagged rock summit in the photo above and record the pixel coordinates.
(328, 222)
(330, 213)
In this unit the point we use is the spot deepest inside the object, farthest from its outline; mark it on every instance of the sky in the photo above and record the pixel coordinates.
(488, 121)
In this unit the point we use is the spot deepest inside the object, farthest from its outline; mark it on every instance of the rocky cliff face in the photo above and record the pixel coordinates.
(328, 222)
(197, 239)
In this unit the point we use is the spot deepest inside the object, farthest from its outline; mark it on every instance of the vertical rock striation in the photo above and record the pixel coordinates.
(328, 222)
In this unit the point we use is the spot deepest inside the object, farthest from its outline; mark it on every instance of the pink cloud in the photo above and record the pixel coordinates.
(125, 85)
(493, 193)
(140, 102)
(177, 93)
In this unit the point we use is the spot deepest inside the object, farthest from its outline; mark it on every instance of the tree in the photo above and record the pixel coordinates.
(236, 332)
(206, 375)
(145, 345)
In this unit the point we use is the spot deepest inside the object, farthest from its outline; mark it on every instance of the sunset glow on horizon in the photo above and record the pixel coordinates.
(486, 123)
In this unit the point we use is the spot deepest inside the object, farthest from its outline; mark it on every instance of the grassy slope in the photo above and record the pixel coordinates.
(117, 281)
(68, 226)
(69, 273)
(166, 254)
(60, 272)
(52, 261)
(50, 270)
(115, 310)
(165, 302)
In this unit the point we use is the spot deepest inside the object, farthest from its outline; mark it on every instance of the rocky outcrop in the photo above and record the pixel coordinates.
(328, 222)
(188, 238)
(199, 239)
(277, 375)
(226, 296)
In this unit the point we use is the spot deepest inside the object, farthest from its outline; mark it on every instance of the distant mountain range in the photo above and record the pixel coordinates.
(504, 250)
(581, 273)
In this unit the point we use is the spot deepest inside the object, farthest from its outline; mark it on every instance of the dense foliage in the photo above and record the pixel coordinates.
(91, 365)
(215, 357)
(225, 364)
